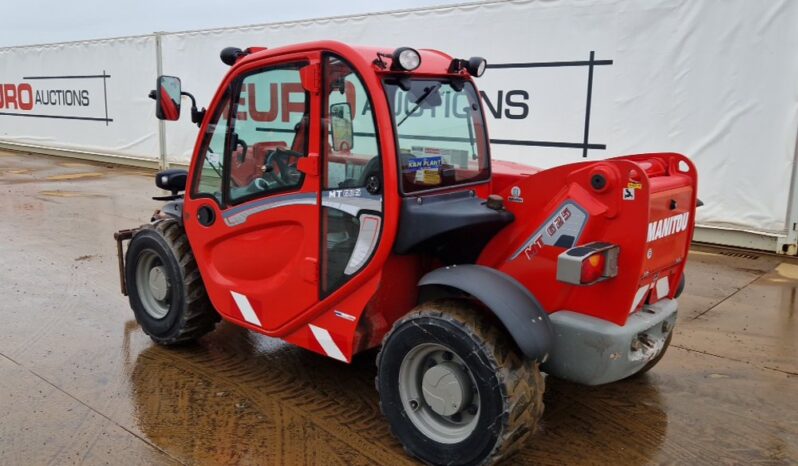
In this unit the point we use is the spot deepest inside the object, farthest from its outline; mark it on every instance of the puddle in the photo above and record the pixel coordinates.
(787, 271)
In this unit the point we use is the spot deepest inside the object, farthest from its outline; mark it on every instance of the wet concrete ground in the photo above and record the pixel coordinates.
(80, 383)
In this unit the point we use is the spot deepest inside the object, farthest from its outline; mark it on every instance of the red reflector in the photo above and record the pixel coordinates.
(593, 268)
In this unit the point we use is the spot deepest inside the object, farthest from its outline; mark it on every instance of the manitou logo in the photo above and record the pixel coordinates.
(668, 226)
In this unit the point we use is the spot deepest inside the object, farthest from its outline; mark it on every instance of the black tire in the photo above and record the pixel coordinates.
(510, 388)
(188, 311)
(680, 287)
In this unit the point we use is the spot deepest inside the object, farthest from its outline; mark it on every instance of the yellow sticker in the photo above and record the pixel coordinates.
(432, 177)
(633, 185)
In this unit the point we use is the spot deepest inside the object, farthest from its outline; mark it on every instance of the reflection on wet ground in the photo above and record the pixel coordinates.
(80, 383)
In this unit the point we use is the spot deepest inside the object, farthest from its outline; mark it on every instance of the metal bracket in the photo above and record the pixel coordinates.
(121, 236)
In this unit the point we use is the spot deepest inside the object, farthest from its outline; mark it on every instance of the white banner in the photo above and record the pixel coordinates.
(568, 81)
(88, 96)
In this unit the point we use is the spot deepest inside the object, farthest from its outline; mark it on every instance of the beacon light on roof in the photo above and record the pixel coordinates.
(406, 59)
(475, 66)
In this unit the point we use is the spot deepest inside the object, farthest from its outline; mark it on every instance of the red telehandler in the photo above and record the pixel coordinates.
(343, 198)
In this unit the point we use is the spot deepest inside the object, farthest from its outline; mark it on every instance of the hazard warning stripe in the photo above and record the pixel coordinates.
(663, 288)
(246, 309)
(324, 339)
(641, 292)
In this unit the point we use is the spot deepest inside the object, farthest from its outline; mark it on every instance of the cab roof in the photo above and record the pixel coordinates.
(433, 62)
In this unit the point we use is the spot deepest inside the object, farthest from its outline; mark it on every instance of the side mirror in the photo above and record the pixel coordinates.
(167, 98)
(341, 127)
(172, 179)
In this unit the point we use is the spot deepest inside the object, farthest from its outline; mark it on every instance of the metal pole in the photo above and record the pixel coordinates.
(163, 162)
(789, 244)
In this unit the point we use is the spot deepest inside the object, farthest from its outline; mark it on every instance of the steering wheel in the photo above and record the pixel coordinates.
(281, 157)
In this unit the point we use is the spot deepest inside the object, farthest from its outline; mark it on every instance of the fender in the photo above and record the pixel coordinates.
(173, 209)
(516, 308)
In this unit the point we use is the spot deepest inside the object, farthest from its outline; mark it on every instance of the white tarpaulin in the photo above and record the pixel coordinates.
(87, 96)
(715, 80)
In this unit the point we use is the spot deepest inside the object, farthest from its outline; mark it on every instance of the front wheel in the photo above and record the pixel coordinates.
(165, 288)
(454, 389)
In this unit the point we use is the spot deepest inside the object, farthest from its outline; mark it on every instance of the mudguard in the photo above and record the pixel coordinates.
(173, 209)
(519, 311)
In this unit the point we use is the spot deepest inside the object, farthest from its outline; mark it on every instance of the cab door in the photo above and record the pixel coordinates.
(352, 180)
(252, 214)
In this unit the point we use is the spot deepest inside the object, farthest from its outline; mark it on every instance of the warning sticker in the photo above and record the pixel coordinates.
(629, 194)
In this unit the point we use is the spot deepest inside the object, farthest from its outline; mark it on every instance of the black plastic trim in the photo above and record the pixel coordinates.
(174, 210)
(455, 227)
(517, 309)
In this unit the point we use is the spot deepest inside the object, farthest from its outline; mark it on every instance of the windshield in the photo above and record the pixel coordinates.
(440, 133)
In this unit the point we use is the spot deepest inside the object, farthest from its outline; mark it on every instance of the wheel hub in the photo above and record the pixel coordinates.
(446, 388)
(158, 283)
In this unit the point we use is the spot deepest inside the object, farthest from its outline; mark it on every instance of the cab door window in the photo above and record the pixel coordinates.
(352, 176)
(211, 166)
(269, 134)
(352, 152)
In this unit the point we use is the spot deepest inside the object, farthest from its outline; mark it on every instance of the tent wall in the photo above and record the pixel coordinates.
(715, 80)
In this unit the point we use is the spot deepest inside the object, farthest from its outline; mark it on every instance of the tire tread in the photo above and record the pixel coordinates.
(200, 316)
(521, 381)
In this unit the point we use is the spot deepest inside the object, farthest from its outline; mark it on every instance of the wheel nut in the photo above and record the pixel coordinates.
(413, 405)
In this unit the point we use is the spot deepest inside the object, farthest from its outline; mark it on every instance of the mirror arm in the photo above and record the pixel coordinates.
(196, 115)
(193, 100)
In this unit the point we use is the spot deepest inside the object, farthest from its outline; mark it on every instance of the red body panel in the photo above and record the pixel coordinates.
(609, 218)
(272, 259)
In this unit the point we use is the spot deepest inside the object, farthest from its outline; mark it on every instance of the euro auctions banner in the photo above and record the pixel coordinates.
(80, 96)
(568, 81)
(69, 97)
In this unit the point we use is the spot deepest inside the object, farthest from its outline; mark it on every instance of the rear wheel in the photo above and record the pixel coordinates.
(453, 387)
(165, 289)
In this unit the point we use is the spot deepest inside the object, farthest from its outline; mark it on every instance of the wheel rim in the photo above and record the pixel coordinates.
(152, 283)
(439, 393)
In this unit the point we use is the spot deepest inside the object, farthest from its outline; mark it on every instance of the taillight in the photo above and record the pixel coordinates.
(588, 264)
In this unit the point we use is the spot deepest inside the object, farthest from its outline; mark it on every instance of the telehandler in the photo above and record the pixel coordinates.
(343, 198)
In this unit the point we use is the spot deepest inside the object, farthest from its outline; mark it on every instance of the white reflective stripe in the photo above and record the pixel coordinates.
(366, 241)
(353, 205)
(246, 309)
(663, 288)
(327, 344)
(237, 216)
(639, 297)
